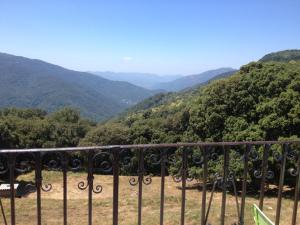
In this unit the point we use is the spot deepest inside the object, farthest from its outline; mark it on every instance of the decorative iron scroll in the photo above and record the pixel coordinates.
(142, 176)
(100, 162)
(255, 159)
(294, 157)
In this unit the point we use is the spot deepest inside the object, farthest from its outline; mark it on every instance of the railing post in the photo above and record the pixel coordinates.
(204, 183)
(244, 185)
(281, 181)
(116, 185)
(296, 195)
(140, 182)
(264, 174)
(65, 190)
(162, 190)
(90, 180)
(38, 184)
(183, 184)
(225, 176)
(11, 164)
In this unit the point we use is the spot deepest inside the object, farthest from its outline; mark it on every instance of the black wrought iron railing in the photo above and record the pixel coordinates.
(256, 158)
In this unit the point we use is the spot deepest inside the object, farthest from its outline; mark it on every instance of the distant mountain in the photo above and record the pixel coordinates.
(282, 56)
(146, 80)
(166, 98)
(192, 80)
(33, 83)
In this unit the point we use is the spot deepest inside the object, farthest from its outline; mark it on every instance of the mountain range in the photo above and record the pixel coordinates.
(33, 83)
(192, 80)
(146, 80)
(165, 82)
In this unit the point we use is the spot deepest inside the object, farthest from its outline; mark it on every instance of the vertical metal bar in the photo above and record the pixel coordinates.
(90, 186)
(11, 164)
(210, 201)
(236, 197)
(244, 185)
(65, 190)
(162, 185)
(203, 209)
(140, 181)
(296, 197)
(281, 180)
(264, 174)
(116, 186)
(38, 184)
(3, 213)
(183, 185)
(225, 176)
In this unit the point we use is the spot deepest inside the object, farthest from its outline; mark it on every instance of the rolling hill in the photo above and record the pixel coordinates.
(261, 101)
(282, 56)
(167, 83)
(192, 80)
(31, 83)
(146, 80)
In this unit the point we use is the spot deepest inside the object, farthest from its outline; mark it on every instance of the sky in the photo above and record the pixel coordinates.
(153, 36)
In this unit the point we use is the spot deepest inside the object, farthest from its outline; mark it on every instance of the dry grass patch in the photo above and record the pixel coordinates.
(102, 203)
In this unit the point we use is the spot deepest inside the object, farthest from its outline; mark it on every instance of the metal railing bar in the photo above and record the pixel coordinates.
(296, 196)
(281, 181)
(65, 190)
(115, 186)
(90, 180)
(264, 174)
(162, 187)
(140, 182)
(3, 212)
(11, 163)
(38, 183)
(183, 185)
(203, 209)
(210, 201)
(244, 185)
(225, 176)
(146, 146)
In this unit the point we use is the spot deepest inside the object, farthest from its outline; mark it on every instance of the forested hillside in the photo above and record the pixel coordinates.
(260, 102)
(34, 128)
(36, 84)
(282, 56)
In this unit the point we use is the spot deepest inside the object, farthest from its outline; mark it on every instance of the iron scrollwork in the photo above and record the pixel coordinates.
(142, 177)
(100, 162)
(255, 158)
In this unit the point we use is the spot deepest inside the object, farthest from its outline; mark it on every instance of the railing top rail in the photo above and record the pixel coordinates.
(147, 146)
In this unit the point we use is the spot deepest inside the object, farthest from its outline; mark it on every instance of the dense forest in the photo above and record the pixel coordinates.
(34, 128)
(260, 102)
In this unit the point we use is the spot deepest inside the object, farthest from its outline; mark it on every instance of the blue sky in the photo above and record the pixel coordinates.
(158, 36)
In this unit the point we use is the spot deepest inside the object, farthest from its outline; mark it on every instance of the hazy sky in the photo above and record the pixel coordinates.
(159, 36)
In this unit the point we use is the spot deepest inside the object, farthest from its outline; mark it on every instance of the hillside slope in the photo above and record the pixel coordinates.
(260, 102)
(33, 83)
(282, 56)
(146, 80)
(165, 98)
(191, 80)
